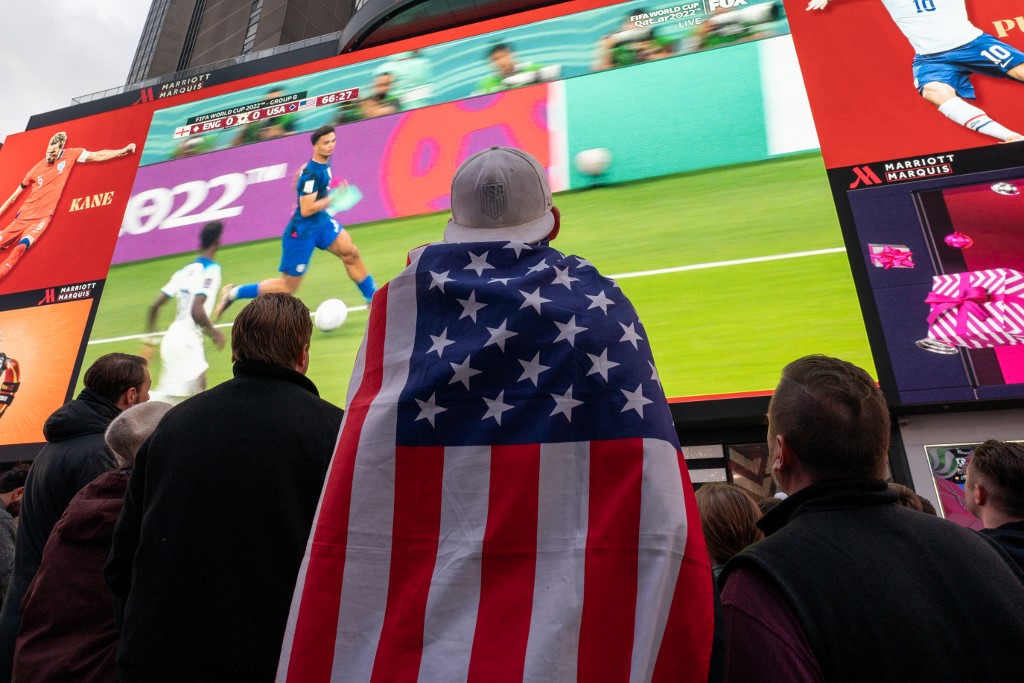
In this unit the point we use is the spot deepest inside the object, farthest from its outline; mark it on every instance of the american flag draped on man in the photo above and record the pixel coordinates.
(507, 500)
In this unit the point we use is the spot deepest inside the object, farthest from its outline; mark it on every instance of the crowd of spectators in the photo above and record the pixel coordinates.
(160, 543)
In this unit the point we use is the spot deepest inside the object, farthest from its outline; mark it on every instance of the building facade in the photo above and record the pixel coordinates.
(181, 34)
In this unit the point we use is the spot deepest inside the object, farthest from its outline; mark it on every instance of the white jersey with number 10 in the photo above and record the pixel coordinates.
(933, 25)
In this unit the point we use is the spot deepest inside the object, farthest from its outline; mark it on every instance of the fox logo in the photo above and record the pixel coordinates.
(724, 4)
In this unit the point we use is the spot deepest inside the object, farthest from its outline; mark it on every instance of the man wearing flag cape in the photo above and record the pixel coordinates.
(507, 499)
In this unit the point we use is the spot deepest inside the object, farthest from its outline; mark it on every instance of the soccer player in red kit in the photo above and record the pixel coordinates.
(45, 182)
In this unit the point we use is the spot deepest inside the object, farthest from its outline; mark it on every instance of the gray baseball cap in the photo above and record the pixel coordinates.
(500, 194)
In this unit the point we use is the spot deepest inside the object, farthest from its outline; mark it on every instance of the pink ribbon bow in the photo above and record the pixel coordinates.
(895, 258)
(966, 301)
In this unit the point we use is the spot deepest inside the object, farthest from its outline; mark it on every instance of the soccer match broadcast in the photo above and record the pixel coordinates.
(680, 150)
(718, 240)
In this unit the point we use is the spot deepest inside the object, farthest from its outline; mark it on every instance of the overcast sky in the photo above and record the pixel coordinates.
(53, 50)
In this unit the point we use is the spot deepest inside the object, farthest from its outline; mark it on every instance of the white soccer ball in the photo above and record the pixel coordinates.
(593, 162)
(330, 315)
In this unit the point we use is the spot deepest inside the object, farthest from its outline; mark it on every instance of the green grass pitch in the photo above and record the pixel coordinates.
(714, 331)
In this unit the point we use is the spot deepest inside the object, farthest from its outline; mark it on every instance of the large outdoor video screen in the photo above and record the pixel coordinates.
(711, 211)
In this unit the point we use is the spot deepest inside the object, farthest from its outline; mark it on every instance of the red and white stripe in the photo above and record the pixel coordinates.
(544, 562)
(1005, 324)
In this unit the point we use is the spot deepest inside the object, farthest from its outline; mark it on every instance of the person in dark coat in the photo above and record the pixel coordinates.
(73, 456)
(826, 595)
(219, 508)
(67, 624)
(12, 487)
(995, 494)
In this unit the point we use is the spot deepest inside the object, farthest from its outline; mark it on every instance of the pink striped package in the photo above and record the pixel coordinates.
(978, 309)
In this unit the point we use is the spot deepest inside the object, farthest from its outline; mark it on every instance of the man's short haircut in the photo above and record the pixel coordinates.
(115, 373)
(60, 138)
(210, 233)
(1002, 465)
(320, 132)
(12, 479)
(499, 47)
(274, 329)
(833, 416)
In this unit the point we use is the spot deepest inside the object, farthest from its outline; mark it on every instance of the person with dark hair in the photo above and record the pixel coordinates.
(766, 504)
(182, 357)
(67, 626)
(906, 497)
(311, 227)
(825, 596)
(509, 72)
(74, 454)
(995, 493)
(729, 518)
(218, 511)
(12, 486)
(382, 99)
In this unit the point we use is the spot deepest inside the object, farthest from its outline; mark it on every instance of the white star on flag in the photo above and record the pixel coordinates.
(438, 280)
(533, 299)
(635, 400)
(562, 277)
(654, 373)
(600, 301)
(537, 267)
(502, 280)
(463, 372)
(429, 410)
(564, 404)
(470, 306)
(629, 334)
(518, 247)
(439, 342)
(601, 364)
(478, 262)
(568, 331)
(499, 334)
(495, 407)
(532, 369)
(584, 263)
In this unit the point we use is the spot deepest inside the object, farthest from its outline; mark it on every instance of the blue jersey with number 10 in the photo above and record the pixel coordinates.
(315, 179)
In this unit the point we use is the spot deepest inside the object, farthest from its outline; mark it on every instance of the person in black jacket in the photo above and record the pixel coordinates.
(995, 494)
(218, 511)
(75, 454)
(826, 595)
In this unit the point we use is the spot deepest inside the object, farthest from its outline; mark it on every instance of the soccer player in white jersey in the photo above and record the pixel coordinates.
(182, 358)
(949, 49)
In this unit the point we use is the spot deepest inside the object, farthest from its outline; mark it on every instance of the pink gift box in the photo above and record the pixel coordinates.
(891, 256)
(978, 309)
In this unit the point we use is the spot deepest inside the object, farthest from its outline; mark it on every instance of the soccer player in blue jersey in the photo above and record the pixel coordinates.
(310, 227)
(949, 49)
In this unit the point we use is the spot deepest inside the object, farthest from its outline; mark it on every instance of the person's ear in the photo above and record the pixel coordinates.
(980, 494)
(17, 493)
(558, 223)
(783, 459)
(303, 360)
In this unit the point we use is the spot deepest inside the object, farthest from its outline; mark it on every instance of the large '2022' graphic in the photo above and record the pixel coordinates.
(403, 164)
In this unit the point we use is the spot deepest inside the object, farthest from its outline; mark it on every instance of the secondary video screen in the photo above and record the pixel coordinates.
(945, 263)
